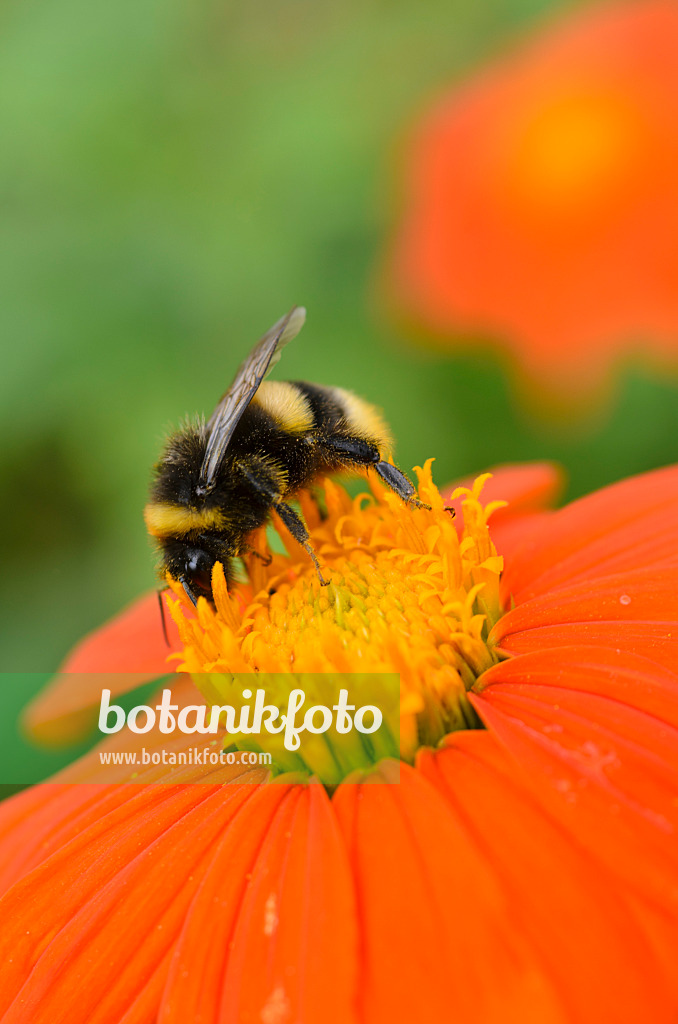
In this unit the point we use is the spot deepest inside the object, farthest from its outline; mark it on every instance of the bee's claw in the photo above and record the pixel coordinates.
(264, 559)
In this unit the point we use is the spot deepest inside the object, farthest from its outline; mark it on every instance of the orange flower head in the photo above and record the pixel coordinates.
(542, 200)
(526, 870)
(408, 595)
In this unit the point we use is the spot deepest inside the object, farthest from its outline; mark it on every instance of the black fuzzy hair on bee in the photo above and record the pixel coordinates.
(176, 472)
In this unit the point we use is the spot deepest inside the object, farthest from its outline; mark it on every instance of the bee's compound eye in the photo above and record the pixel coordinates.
(199, 569)
(202, 581)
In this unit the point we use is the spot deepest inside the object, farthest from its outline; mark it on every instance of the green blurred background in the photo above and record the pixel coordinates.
(174, 177)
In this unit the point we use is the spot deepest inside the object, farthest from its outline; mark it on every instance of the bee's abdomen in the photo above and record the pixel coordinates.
(300, 431)
(286, 405)
(340, 413)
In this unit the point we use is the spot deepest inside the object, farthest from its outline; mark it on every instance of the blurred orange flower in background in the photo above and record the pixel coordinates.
(541, 201)
(525, 870)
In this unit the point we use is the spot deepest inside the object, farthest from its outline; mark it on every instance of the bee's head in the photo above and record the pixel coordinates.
(191, 562)
(197, 572)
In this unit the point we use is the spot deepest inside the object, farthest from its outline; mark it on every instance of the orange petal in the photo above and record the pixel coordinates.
(591, 669)
(143, 1008)
(194, 994)
(25, 822)
(132, 641)
(662, 934)
(510, 532)
(595, 734)
(525, 486)
(640, 606)
(297, 917)
(652, 640)
(437, 941)
(273, 924)
(37, 822)
(582, 935)
(70, 917)
(631, 524)
(121, 655)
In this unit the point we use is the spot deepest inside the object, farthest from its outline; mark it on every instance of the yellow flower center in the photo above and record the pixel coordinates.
(409, 594)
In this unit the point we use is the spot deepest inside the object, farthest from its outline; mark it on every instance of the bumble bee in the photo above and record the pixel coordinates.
(265, 441)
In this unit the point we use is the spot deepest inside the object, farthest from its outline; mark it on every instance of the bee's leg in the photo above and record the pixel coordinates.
(399, 483)
(294, 523)
(297, 527)
(403, 487)
(363, 453)
(264, 559)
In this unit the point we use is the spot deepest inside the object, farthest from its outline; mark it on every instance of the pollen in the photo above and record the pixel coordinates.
(412, 591)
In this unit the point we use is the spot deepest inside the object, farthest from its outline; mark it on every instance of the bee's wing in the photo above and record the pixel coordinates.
(225, 417)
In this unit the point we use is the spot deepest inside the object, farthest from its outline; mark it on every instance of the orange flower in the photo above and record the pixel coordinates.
(525, 870)
(542, 200)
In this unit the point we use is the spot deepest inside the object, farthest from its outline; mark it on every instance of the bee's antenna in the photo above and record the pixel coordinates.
(187, 590)
(162, 615)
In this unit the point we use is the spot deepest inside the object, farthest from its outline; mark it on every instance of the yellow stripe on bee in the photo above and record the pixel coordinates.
(365, 419)
(285, 404)
(166, 520)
